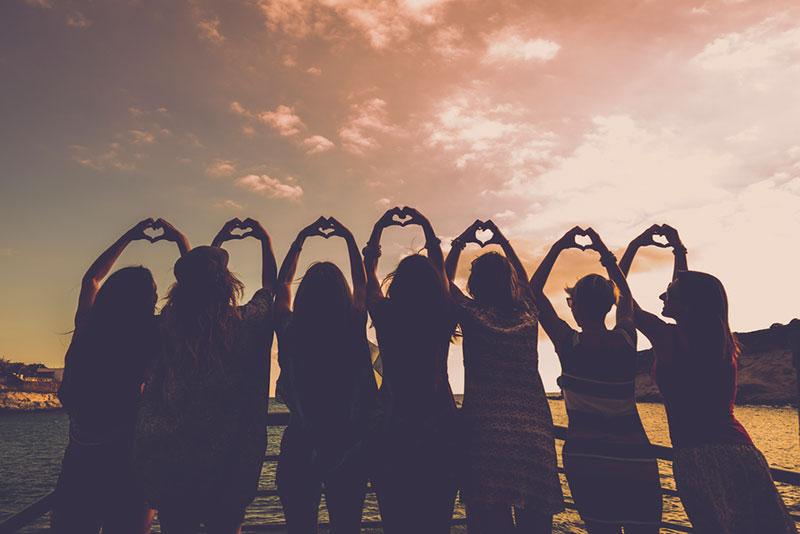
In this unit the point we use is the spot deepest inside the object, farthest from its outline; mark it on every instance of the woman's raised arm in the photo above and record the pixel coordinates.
(283, 291)
(358, 274)
(372, 251)
(609, 261)
(457, 246)
(432, 243)
(103, 265)
(499, 239)
(255, 230)
(555, 327)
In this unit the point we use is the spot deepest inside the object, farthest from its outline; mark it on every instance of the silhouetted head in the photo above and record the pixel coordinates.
(127, 297)
(418, 295)
(591, 298)
(493, 281)
(203, 302)
(323, 300)
(699, 304)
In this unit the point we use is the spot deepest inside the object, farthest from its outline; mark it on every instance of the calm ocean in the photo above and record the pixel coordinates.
(31, 446)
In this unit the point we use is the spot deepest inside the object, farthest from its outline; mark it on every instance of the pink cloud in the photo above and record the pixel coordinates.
(283, 119)
(270, 187)
(316, 144)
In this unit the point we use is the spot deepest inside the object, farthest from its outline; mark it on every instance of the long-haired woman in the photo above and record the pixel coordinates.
(509, 441)
(610, 468)
(201, 432)
(414, 322)
(114, 341)
(328, 384)
(723, 480)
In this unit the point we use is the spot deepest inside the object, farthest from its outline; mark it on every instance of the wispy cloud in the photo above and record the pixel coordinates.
(510, 46)
(46, 4)
(270, 187)
(228, 204)
(367, 120)
(221, 167)
(76, 19)
(316, 144)
(282, 119)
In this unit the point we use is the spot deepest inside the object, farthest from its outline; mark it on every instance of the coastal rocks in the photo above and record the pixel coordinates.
(23, 401)
(767, 375)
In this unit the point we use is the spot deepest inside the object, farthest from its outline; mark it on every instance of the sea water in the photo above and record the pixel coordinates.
(32, 444)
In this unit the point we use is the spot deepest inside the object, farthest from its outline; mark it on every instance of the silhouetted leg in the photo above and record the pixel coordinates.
(79, 492)
(298, 486)
(489, 519)
(344, 496)
(531, 522)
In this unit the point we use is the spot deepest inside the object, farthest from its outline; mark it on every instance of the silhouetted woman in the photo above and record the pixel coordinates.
(328, 383)
(414, 322)
(115, 339)
(509, 441)
(202, 432)
(611, 471)
(723, 480)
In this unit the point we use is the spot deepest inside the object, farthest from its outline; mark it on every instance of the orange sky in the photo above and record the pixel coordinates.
(540, 115)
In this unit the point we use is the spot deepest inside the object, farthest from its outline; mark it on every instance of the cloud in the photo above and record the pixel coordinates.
(270, 187)
(283, 119)
(509, 46)
(774, 42)
(45, 4)
(228, 205)
(76, 19)
(142, 137)
(221, 167)
(209, 30)
(366, 121)
(478, 131)
(314, 71)
(380, 23)
(316, 144)
(112, 157)
(239, 109)
(383, 203)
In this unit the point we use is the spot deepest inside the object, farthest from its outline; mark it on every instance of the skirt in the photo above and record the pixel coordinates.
(611, 487)
(728, 489)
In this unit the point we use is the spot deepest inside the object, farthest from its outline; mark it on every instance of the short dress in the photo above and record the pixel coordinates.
(201, 434)
(723, 480)
(508, 427)
(610, 466)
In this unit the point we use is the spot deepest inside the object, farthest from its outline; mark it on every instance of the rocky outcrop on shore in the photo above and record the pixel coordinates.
(767, 374)
(24, 401)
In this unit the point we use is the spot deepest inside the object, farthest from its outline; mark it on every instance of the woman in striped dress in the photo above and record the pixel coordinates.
(509, 441)
(612, 474)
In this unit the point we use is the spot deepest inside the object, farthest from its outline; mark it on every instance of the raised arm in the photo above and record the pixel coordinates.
(432, 243)
(457, 245)
(372, 252)
(358, 274)
(555, 327)
(172, 235)
(283, 290)
(253, 229)
(103, 265)
(609, 261)
(678, 249)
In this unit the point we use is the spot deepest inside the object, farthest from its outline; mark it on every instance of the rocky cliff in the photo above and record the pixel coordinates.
(24, 401)
(766, 372)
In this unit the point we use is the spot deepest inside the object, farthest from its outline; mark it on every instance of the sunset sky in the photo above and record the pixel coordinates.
(540, 115)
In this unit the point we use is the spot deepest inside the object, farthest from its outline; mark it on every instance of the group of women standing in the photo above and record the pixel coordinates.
(168, 411)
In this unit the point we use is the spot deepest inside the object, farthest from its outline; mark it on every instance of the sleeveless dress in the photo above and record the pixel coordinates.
(508, 427)
(611, 471)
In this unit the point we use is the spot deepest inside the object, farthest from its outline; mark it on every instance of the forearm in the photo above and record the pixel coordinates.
(269, 267)
(103, 264)
(542, 273)
(627, 258)
(516, 263)
(358, 274)
(183, 244)
(451, 263)
(680, 263)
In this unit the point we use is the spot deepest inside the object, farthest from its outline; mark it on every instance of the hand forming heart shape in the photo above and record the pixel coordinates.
(583, 241)
(150, 231)
(325, 227)
(401, 217)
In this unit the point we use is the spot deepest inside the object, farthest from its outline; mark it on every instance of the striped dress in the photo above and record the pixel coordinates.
(612, 474)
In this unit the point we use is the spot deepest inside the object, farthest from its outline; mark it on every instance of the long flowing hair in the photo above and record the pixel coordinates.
(201, 312)
(493, 281)
(704, 316)
(118, 337)
(419, 297)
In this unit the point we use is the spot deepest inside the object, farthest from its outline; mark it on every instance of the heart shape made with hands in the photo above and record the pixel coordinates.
(240, 231)
(583, 241)
(325, 227)
(151, 232)
(401, 217)
(483, 235)
(660, 240)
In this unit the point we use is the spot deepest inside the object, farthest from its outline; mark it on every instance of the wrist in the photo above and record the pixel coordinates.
(679, 249)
